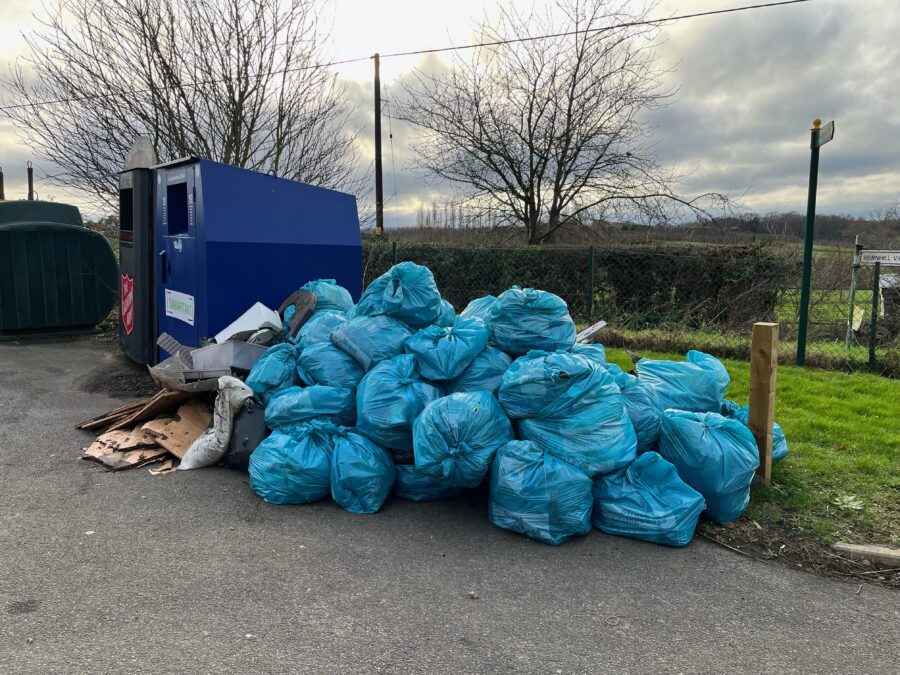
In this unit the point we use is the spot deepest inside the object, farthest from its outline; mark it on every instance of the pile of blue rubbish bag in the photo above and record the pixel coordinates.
(399, 393)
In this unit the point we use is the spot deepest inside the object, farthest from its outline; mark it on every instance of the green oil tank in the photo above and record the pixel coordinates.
(55, 274)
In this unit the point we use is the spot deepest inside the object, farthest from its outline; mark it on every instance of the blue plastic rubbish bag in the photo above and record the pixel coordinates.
(571, 408)
(485, 373)
(319, 328)
(294, 466)
(447, 316)
(406, 292)
(595, 352)
(323, 363)
(729, 408)
(273, 371)
(779, 440)
(412, 484)
(643, 408)
(456, 436)
(370, 339)
(696, 384)
(329, 295)
(296, 405)
(443, 353)
(715, 455)
(362, 474)
(647, 500)
(389, 398)
(479, 308)
(538, 495)
(523, 320)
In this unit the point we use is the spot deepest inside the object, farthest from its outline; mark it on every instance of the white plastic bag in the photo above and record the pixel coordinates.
(211, 445)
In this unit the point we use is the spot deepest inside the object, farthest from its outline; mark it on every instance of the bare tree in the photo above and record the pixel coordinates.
(550, 132)
(231, 80)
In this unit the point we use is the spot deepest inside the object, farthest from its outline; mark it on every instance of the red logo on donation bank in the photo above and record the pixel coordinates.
(128, 303)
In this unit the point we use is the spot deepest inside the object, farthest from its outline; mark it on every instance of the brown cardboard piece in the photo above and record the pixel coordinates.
(176, 433)
(163, 402)
(123, 459)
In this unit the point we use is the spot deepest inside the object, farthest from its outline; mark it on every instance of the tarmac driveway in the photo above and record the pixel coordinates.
(126, 572)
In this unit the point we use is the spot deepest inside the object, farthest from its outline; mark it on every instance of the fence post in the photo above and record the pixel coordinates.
(873, 326)
(853, 274)
(763, 376)
(590, 288)
(394, 252)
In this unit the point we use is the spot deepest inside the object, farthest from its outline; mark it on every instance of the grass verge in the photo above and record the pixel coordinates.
(841, 479)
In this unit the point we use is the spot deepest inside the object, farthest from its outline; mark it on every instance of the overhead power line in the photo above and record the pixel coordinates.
(601, 29)
(435, 50)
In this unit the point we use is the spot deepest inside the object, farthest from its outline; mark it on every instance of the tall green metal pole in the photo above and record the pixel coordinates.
(808, 242)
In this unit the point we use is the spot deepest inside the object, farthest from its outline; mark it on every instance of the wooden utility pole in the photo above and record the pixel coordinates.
(379, 186)
(763, 375)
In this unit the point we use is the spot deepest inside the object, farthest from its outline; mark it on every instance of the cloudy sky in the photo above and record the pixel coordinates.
(749, 85)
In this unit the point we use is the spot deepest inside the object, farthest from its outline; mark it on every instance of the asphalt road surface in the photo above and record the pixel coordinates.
(191, 572)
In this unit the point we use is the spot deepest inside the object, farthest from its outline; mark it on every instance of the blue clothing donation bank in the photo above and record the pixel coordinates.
(201, 242)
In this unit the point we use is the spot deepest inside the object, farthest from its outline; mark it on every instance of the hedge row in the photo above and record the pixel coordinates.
(635, 286)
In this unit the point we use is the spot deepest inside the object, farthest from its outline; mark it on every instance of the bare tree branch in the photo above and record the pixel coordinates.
(550, 132)
(229, 80)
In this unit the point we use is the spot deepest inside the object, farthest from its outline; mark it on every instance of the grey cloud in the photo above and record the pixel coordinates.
(751, 84)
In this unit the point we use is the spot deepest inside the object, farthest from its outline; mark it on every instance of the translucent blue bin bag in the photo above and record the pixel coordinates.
(485, 373)
(296, 405)
(319, 328)
(370, 339)
(323, 363)
(523, 320)
(273, 371)
(414, 485)
(389, 399)
(480, 308)
(647, 500)
(570, 408)
(447, 316)
(406, 292)
(538, 495)
(729, 408)
(455, 437)
(294, 466)
(715, 455)
(362, 474)
(595, 352)
(330, 296)
(779, 440)
(696, 385)
(444, 353)
(643, 408)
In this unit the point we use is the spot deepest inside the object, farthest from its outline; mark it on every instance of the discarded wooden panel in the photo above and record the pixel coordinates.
(112, 416)
(163, 402)
(166, 467)
(176, 433)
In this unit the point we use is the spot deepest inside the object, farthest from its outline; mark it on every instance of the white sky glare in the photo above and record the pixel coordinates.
(749, 86)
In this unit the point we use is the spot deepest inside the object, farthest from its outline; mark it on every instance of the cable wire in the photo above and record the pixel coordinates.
(630, 24)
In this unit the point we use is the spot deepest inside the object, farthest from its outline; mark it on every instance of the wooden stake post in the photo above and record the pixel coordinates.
(763, 372)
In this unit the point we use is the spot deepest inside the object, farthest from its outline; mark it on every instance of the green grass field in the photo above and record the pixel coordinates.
(841, 480)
